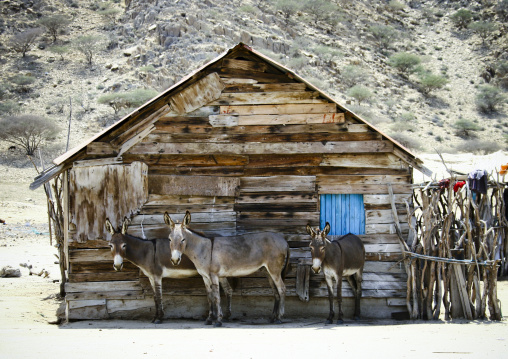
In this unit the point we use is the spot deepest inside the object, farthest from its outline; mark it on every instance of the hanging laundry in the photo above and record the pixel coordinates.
(477, 181)
(458, 185)
(444, 183)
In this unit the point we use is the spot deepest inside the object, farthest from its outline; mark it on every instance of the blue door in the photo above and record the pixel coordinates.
(344, 212)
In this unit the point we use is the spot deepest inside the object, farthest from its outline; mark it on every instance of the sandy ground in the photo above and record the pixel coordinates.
(29, 303)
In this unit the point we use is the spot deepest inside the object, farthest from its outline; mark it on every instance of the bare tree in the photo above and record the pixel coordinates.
(89, 45)
(27, 131)
(23, 41)
(54, 24)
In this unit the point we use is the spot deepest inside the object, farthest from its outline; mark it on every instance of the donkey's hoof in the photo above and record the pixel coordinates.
(217, 324)
(277, 321)
(328, 321)
(157, 321)
(340, 321)
(208, 321)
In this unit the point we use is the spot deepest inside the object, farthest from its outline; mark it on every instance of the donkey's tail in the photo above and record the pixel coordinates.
(287, 265)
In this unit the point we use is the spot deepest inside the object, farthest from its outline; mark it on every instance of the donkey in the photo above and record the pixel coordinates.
(153, 258)
(233, 256)
(342, 257)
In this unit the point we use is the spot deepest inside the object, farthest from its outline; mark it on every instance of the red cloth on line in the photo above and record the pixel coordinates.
(458, 185)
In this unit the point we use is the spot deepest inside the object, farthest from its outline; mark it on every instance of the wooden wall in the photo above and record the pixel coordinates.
(253, 154)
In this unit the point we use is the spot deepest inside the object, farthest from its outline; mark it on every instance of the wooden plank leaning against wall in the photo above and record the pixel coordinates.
(256, 158)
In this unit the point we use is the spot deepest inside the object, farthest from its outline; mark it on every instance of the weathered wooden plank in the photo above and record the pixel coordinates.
(278, 197)
(98, 162)
(382, 216)
(189, 160)
(90, 255)
(140, 127)
(87, 309)
(254, 75)
(380, 160)
(267, 98)
(379, 180)
(284, 160)
(278, 184)
(100, 267)
(160, 200)
(245, 110)
(257, 87)
(375, 199)
(382, 248)
(291, 207)
(279, 216)
(197, 217)
(205, 90)
(248, 136)
(121, 294)
(283, 119)
(340, 188)
(109, 286)
(245, 65)
(101, 148)
(90, 244)
(262, 148)
(192, 128)
(374, 228)
(193, 185)
(101, 277)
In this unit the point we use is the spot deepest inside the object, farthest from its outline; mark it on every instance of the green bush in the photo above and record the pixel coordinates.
(119, 100)
(462, 18)
(465, 128)
(483, 29)
(320, 10)
(385, 35)
(148, 68)
(431, 82)
(54, 23)
(489, 98)
(288, 8)
(404, 62)
(352, 75)
(9, 107)
(59, 50)
(89, 46)
(360, 93)
(480, 147)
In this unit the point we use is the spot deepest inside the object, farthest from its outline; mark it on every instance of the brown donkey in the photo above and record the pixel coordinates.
(153, 257)
(233, 256)
(342, 257)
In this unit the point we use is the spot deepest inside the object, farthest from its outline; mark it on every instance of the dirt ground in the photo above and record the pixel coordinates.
(29, 303)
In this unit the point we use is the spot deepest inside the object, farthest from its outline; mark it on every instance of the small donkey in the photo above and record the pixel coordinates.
(342, 257)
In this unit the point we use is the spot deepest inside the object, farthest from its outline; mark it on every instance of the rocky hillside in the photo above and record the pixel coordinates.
(350, 49)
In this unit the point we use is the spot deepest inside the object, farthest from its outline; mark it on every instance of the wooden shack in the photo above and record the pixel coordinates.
(245, 145)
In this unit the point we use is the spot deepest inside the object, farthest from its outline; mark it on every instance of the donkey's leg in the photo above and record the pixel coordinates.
(216, 299)
(329, 286)
(276, 302)
(358, 295)
(339, 299)
(157, 297)
(229, 294)
(280, 296)
(209, 294)
(351, 279)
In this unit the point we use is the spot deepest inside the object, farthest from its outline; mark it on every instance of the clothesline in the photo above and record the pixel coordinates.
(454, 261)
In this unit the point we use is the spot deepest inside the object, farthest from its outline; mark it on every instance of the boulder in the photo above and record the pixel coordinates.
(9, 272)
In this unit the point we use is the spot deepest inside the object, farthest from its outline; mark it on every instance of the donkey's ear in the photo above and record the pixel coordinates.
(310, 231)
(168, 220)
(109, 227)
(186, 219)
(326, 230)
(125, 224)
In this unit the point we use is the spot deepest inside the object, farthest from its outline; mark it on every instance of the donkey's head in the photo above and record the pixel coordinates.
(118, 243)
(317, 246)
(177, 242)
